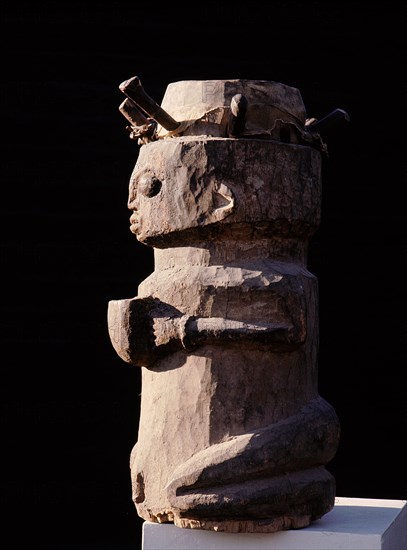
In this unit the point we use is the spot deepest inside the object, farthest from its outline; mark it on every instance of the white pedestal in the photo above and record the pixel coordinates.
(353, 524)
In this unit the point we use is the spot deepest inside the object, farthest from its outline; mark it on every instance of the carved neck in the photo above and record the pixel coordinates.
(228, 252)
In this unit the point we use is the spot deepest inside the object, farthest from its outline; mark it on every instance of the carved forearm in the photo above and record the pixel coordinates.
(143, 330)
(211, 330)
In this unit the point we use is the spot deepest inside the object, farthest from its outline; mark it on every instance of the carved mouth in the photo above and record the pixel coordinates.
(134, 222)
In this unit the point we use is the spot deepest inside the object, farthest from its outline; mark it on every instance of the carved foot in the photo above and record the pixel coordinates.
(289, 501)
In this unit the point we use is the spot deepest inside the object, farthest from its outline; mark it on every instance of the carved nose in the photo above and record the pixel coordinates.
(133, 191)
(131, 203)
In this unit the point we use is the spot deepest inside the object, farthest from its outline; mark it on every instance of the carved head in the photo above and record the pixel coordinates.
(198, 181)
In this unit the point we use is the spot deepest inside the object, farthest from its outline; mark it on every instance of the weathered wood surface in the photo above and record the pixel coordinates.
(233, 435)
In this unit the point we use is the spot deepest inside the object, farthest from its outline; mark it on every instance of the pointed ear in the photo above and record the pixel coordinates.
(223, 203)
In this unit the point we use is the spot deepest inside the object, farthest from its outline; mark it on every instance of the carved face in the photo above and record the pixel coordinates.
(173, 188)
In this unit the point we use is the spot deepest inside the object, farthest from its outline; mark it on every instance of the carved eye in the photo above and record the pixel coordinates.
(148, 185)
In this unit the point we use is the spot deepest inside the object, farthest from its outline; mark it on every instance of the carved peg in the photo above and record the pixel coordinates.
(319, 126)
(133, 89)
(238, 108)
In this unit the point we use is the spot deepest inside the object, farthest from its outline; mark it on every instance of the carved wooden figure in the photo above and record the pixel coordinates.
(233, 435)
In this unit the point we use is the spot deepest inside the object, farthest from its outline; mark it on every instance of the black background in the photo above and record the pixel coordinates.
(70, 404)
